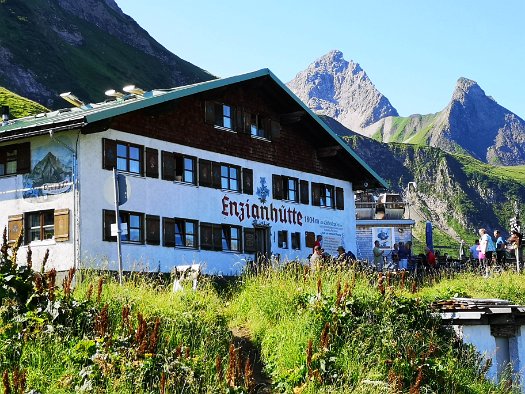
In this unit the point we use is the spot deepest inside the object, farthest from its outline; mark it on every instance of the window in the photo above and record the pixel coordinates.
(15, 159)
(220, 237)
(296, 241)
(230, 176)
(258, 126)
(327, 196)
(186, 233)
(282, 239)
(220, 115)
(224, 116)
(40, 226)
(188, 170)
(129, 158)
(291, 188)
(323, 195)
(177, 167)
(135, 223)
(231, 238)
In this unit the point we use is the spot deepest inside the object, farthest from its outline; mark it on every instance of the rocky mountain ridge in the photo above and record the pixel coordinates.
(53, 46)
(340, 89)
(458, 193)
(472, 122)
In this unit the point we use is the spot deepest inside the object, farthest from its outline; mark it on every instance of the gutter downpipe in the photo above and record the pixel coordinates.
(76, 195)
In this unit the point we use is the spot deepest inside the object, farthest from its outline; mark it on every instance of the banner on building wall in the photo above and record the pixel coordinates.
(51, 172)
(385, 236)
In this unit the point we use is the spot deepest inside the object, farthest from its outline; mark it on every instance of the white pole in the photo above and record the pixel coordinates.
(119, 247)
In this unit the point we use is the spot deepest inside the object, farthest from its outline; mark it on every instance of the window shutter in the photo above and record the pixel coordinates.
(316, 194)
(109, 157)
(152, 163)
(15, 225)
(23, 158)
(108, 219)
(168, 227)
(205, 173)
(277, 186)
(239, 121)
(249, 240)
(339, 198)
(168, 166)
(61, 225)
(216, 175)
(209, 116)
(310, 239)
(275, 129)
(152, 230)
(217, 237)
(179, 167)
(2, 155)
(304, 192)
(247, 181)
(206, 236)
(247, 122)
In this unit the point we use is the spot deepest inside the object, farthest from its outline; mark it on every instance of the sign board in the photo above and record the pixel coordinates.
(123, 228)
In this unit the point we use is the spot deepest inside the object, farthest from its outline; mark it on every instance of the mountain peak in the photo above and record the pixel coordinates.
(341, 89)
(467, 88)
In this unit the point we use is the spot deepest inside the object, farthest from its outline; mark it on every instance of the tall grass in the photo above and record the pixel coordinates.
(377, 337)
(331, 331)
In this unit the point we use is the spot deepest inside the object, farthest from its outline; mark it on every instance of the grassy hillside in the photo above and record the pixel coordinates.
(18, 105)
(456, 192)
(335, 331)
(67, 53)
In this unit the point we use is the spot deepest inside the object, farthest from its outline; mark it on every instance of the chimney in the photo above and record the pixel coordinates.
(5, 115)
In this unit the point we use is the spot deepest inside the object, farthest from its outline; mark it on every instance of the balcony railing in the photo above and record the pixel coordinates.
(379, 210)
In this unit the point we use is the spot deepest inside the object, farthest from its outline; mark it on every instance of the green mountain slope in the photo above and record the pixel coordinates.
(19, 106)
(53, 46)
(455, 191)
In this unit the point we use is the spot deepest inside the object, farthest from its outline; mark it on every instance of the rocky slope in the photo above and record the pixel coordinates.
(457, 193)
(340, 89)
(52, 46)
(472, 123)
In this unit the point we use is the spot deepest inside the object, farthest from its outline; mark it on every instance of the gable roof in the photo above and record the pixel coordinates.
(72, 118)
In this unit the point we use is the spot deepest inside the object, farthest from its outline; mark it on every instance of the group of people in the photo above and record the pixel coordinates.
(319, 257)
(488, 250)
(401, 255)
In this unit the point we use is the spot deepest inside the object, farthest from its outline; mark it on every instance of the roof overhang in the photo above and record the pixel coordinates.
(76, 117)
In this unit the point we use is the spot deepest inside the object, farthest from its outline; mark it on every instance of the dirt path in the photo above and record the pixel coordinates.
(242, 340)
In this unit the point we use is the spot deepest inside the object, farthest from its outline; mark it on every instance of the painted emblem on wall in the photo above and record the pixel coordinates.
(385, 236)
(51, 175)
(262, 190)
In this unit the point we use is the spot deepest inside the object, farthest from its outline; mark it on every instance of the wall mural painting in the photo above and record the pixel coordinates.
(385, 236)
(51, 174)
(262, 190)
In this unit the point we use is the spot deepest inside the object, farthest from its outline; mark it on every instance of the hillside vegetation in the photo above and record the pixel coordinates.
(457, 193)
(336, 331)
(19, 106)
(86, 47)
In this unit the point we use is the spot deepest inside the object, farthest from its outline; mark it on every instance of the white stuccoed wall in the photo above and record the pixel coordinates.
(496, 348)
(172, 199)
(12, 202)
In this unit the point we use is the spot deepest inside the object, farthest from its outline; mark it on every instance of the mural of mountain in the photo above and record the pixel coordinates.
(86, 47)
(458, 193)
(472, 123)
(340, 89)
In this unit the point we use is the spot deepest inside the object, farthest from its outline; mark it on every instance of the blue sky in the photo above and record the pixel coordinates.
(413, 50)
